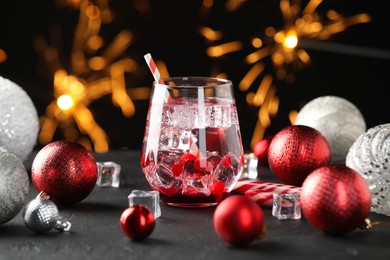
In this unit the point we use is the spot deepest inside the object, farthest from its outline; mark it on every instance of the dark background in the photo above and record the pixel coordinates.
(168, 30)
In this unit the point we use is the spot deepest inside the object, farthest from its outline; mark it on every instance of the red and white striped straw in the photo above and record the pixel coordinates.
(153, 68)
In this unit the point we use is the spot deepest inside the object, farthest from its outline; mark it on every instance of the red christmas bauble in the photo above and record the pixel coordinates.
(137, 222)
(260, 150)
(335, 199)
(65, 170)
(296, 151)
(215, 139)
(238, 220)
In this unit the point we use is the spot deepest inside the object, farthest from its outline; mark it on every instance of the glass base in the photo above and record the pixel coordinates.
(178, 200)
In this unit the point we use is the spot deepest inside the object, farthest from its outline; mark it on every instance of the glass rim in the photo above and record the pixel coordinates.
(209, 82)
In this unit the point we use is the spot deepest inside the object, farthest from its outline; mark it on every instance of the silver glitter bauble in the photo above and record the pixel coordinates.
(19, 123)
(14, 185)
(339, 121)
(370, 156)
(41, 215)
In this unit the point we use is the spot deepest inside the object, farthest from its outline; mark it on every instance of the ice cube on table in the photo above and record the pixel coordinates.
(150, 199)
(108, 174)
(250, 167)
(286, 206)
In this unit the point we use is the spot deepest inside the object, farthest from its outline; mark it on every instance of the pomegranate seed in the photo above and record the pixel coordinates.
(187, 156)
(218, 187)
(177, 169)
(227, 161)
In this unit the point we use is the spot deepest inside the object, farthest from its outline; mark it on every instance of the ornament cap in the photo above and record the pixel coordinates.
(43, 195)
(366, 224)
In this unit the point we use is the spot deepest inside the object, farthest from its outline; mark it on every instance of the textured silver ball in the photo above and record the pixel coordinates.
(339, 121)
(19, 120)
(370, 156)
(14, 185)
(40, 215)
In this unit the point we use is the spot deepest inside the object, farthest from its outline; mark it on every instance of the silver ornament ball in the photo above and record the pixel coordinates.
(19, 120)
(369, 155)
(41, 215)
(337, 119)
(14, 185)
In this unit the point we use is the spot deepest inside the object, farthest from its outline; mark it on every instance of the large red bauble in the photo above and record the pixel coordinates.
(137, 222)
(65, 170)
(295, 151)
(260, 150)
(335, 199)
(238, 220)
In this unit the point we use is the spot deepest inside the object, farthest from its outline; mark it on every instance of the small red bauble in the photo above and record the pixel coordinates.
(295, 151)
(335, 199)
(238, 220)
(64, 170)
(137, 222)
(260, 150)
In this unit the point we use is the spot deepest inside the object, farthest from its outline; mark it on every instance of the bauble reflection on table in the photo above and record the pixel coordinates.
(19, 120)
(335, 199)
(65, 170)
(370, 157)
(14, 186)
(295, 151)
(337, 119)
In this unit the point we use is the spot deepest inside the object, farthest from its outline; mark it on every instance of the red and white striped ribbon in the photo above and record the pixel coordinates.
(262, 192)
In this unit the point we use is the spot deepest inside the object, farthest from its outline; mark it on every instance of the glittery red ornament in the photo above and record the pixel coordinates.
(260, 150)
(64, 170)
(335, 199)
(238, 220)
(137, 222)
(295, 151)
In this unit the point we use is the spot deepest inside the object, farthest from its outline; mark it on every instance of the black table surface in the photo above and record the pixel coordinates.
(180, 233)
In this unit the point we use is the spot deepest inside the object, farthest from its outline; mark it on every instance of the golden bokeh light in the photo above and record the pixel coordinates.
(95, 69)
(291, 41)
(282, 47)
(65, 102)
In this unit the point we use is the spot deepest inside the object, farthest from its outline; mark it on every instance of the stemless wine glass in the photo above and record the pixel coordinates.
(192, 150)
